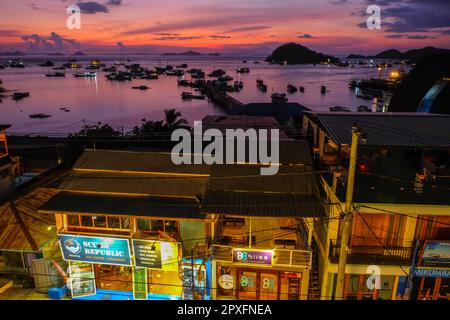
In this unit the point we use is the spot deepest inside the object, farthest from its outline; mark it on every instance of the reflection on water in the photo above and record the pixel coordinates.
(116, 103)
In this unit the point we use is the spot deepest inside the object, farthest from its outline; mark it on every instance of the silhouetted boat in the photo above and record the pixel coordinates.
(302, 89)
(39, 116)
(339, 109)
(119, 76)
(141, 87)
(182, 66)
(291, 88)
(243, 70)
(279, 97)
(85, 74)
(189, 95)
(20, 95)
(47, 63)
(323, 89)
(55, 74)
(261, 86)
(364, 109)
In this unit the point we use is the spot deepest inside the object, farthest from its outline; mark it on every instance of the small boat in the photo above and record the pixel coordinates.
(279, 97)
(339, 109)
(55, 74)
(239, 84)
(364, 109)
(261, 86)
(176, 72)
(256, 62)
(59, 68)
(182, 66)
(85, 74)
(302, 89)
(225, 78)
(217, 73)
(184, 83)
(243, 70)
(169, 67)
(119, 76)
(244, 61)
(110, 69)
(16, 63)
(39, 116)
(20, 95)
(323, 89)
(291, 88)
(189, 95)
(141, 87)
(47, 63)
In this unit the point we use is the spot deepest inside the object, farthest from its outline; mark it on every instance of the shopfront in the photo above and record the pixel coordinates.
(122, 268)
(432, 274)
(255, 274)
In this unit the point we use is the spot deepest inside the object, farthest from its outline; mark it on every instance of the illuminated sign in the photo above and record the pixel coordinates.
(431, 273)
(82, 279)
(113, 251)
(154, 254)
(253, 256)
(140, 287)
(226, 282)
(436, 253)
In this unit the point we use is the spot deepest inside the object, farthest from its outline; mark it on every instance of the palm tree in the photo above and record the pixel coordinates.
(174, 119)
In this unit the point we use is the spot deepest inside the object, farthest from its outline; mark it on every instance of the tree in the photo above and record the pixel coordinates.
(99, 131)
(174, 119)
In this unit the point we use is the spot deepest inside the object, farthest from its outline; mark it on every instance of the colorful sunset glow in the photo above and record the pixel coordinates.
(232, 27)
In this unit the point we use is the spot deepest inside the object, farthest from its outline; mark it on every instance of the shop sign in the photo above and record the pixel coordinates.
(194, 282)
(431, 273)
(252, 256)
(140, 287)
(100, 250)
(81, 279)
(226, 282)
(436, 253)
(156, 254)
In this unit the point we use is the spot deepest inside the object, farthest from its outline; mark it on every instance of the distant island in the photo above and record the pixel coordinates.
(294, 53)
(186, 53)
(78, 53)
(413, 54)
(14, 53)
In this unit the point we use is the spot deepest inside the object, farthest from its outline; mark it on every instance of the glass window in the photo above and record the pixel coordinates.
(73, 220)
(113, 223)
(157, 225)
(143, 225)
(353, 287)
(247, 285)
(99, 222)
(110, 277)
(226, 282)
(268, 286)
(171, 226)
(124, 223)
(86, 221)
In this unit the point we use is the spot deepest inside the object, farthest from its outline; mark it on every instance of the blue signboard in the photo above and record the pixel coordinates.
(431, 273)
(436, 253)
(114, 251)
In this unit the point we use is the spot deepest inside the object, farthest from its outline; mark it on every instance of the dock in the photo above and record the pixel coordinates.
(222, 99)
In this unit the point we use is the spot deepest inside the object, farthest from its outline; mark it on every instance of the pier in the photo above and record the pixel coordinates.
(222, 99)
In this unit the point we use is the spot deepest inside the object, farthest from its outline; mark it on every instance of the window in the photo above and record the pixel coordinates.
(99, 222)
(168, 226)
(113, 223)
(73, 220)
(86, 221)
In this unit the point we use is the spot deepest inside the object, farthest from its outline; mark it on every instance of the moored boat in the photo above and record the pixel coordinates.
(279, 97)
(190, 95)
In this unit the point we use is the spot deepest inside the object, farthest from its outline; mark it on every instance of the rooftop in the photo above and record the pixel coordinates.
(407, 130)
(121, 205)
(281, 111)
(4, 126)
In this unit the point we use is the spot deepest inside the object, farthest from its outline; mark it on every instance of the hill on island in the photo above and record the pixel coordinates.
(294, 53)
(414, 55)
(186, 53)
(410, 92)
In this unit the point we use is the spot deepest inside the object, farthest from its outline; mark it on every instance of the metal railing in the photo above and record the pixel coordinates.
(365, 254)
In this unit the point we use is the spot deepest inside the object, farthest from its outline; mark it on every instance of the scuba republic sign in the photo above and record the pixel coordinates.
(99, 250)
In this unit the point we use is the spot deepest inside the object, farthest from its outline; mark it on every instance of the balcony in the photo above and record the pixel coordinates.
(281, 257)
(389, 255)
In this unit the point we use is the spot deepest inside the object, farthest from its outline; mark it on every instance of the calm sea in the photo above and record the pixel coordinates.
(116, 103)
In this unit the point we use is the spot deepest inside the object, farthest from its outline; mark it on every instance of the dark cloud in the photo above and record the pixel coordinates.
(338, 2)
(419, 37)
(215, 36)
(54, 42)
(166, 34)
(177, 38)
(92, 7)
(306, 36)
(9, 33)
(114, 2)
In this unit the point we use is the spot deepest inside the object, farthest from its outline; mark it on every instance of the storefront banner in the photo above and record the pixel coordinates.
(436, 253)
(431, 273)
(81, 279)
(112, 251)
(140, 287)
(156, 254)
(253, 256)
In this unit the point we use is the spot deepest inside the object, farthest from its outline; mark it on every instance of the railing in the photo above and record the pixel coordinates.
(372, 254)
(281, 257)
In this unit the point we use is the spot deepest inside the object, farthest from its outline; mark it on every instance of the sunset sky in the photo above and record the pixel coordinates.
(230, 27)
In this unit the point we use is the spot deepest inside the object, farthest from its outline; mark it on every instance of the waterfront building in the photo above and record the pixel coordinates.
(401, 216)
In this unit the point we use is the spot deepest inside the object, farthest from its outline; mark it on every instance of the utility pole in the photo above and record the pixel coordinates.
(347, 223)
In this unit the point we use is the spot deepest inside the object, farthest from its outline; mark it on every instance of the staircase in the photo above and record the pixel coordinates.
(313, 287)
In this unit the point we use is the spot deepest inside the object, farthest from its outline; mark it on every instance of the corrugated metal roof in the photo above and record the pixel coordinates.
(297, 179)
(163, 207)
(389, 129)
(4, 126)
(261, 204)
(134, 184)
(135, 162)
